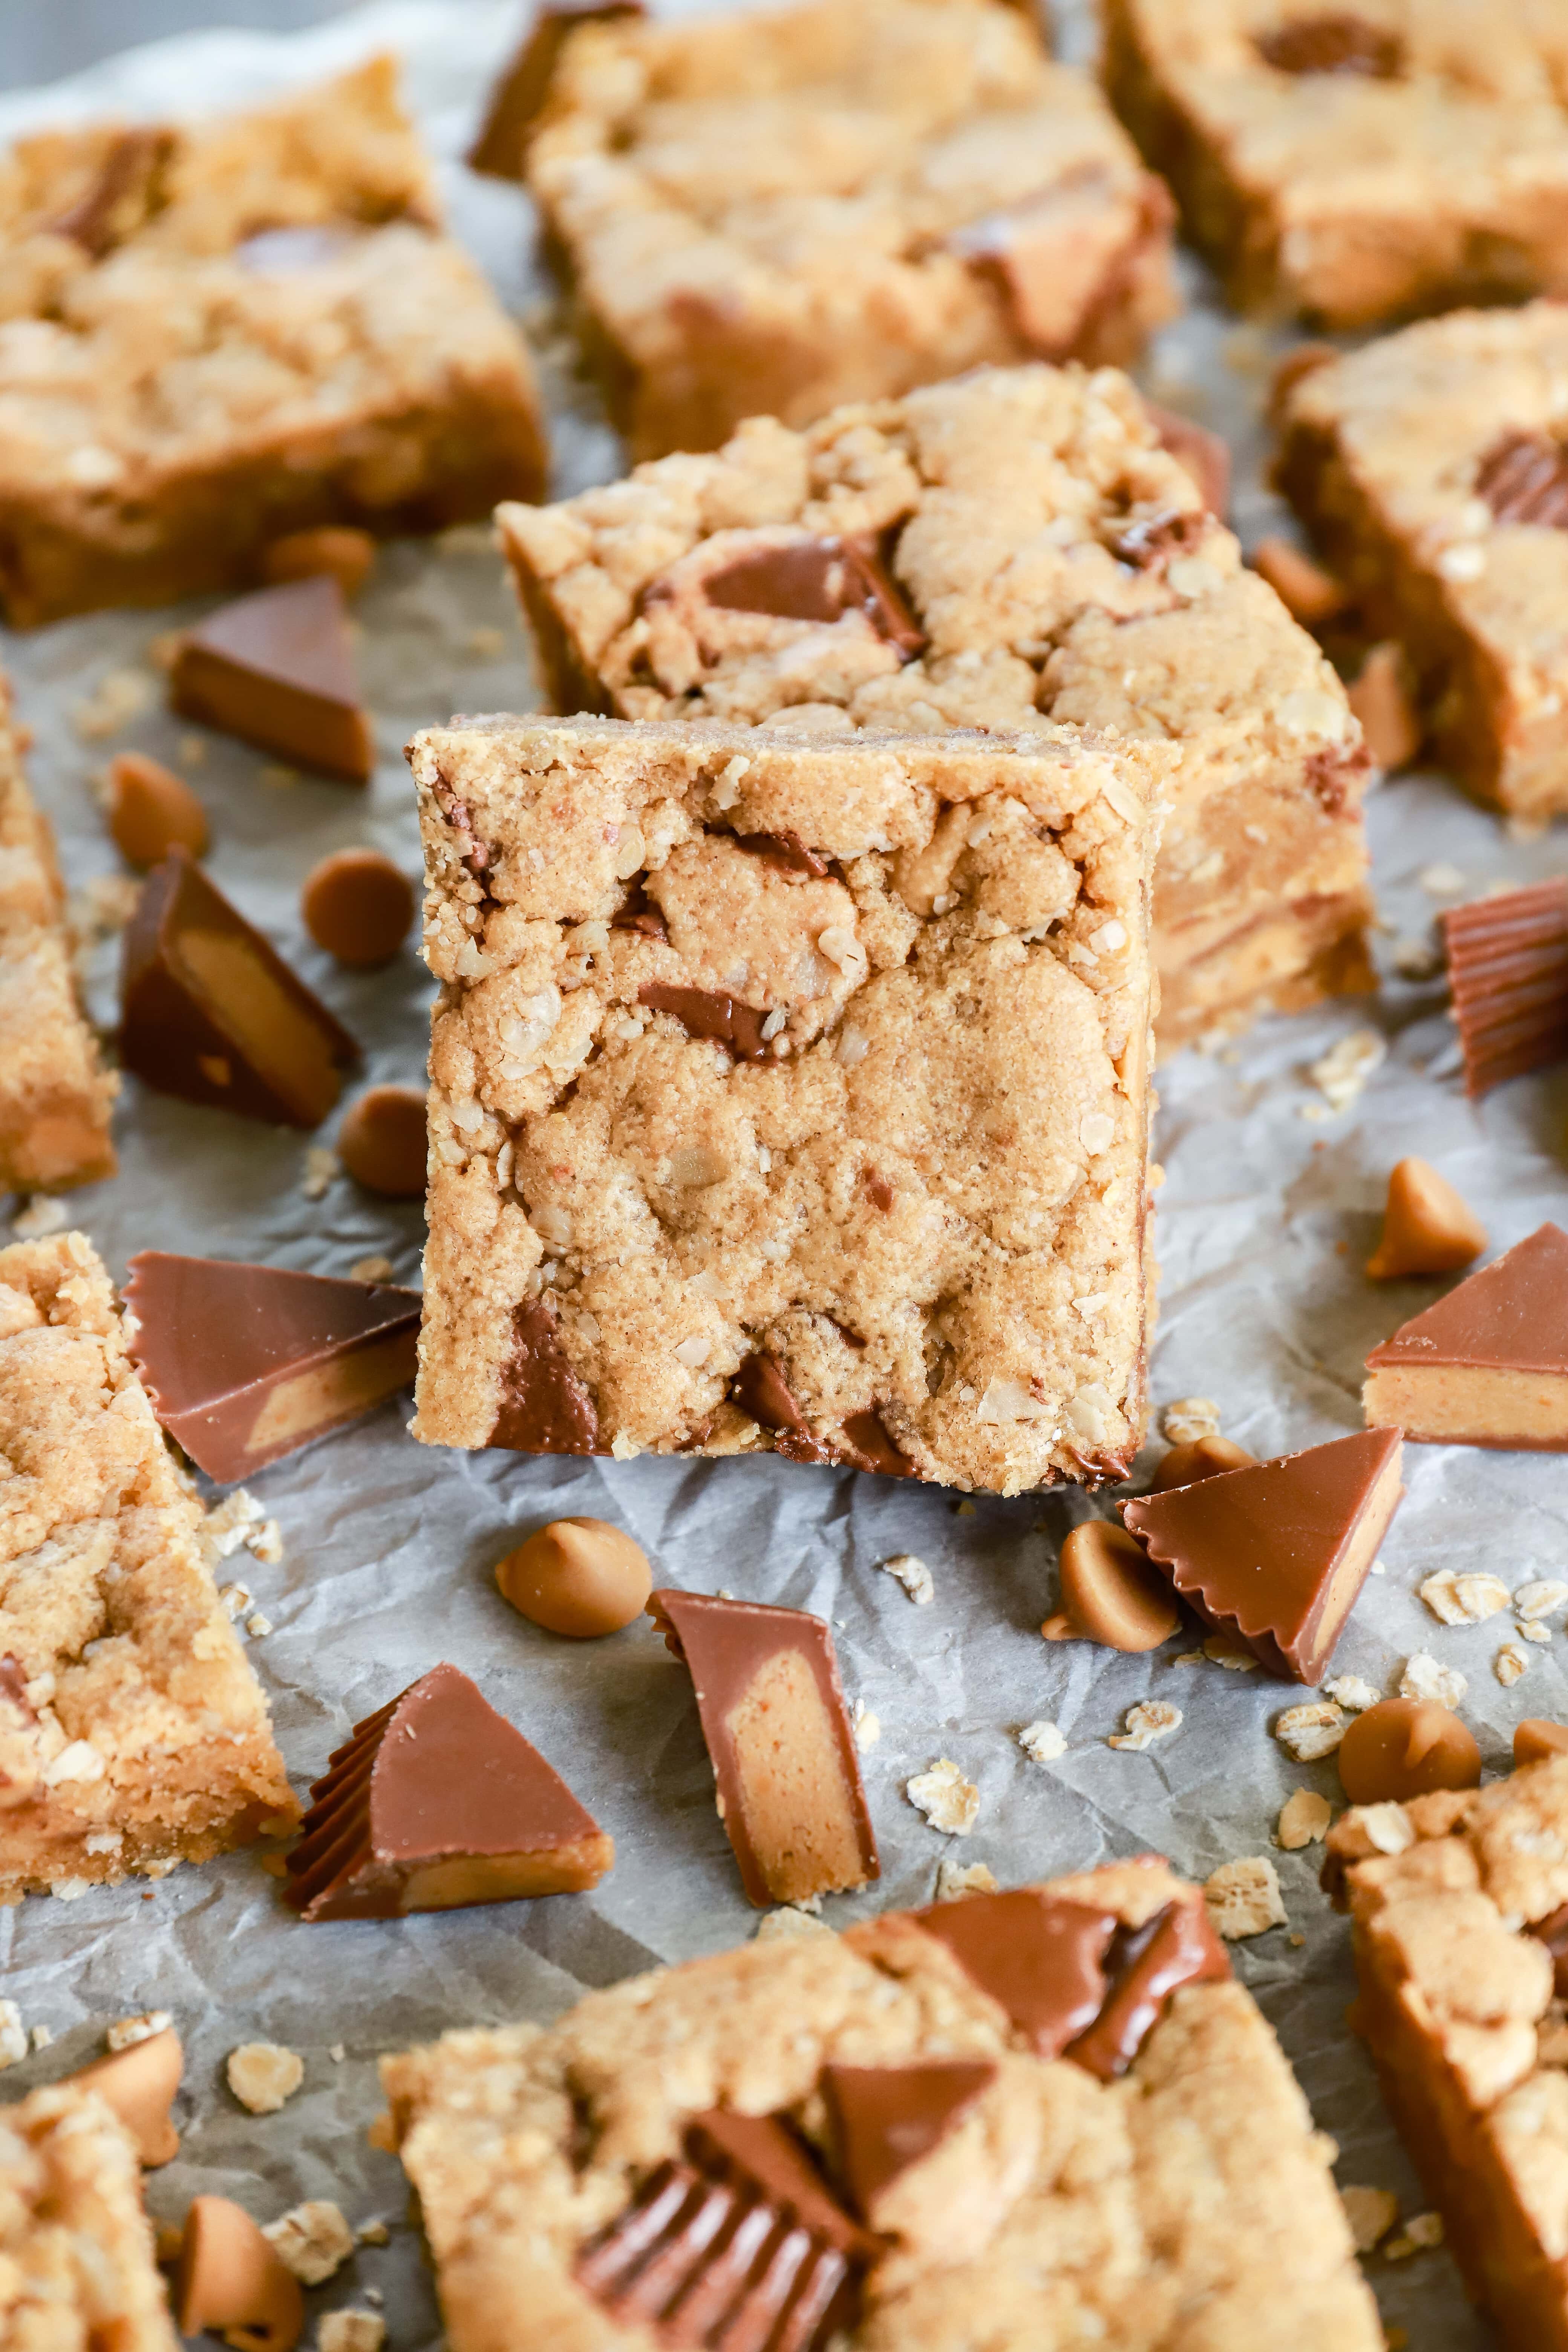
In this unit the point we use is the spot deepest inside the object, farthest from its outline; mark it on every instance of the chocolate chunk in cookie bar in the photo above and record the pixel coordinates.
(133, 1733)
(76, 2265)
(771, 213)
(1432, 469)
(1052, 2107)
(844, 1156)
(217, 335)
(1355, 163)
(1020, 544)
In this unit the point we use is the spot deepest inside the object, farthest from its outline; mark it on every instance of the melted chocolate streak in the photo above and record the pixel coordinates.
(1332, 43)
(1524, 479)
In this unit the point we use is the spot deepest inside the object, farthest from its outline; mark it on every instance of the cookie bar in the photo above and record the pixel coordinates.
(55, 1096)
(1460, 1905)
(1052, 2105)
(772, 215)
(1432, 468)
(212, 336)
(1019, 543)
(76, 2265)
(133, 1733)
(1355, 163)
(788, 1093)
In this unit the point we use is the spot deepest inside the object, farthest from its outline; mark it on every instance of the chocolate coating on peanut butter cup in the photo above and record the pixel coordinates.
(545, 1406)
(1040, 1958)
(1510, 1316)
(1145, 1966)
(889, 2117)
(1508, 969)
(819, 579)
(710, 1013)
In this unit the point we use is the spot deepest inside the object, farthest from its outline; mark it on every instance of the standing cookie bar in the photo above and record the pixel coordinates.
(1016, 544)
(216, 336)
(768, 215)
(789, 1092)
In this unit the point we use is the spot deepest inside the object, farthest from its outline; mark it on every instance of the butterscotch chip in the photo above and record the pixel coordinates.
(1307, 592)
(578, 1577)
(1405, 1747)
(1111, 1594)
(1535, 1738)
(336, 549)
(358, 906)
(1428, 1226)
(1203, 1457)
(138, 2082)
(382, 1142)
(1381, 701)
(230, 2279)
(152, 810)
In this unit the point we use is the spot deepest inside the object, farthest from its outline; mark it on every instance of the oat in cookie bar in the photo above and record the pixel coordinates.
(1432, 469)
(132, 1732)
(76, 2266)
(1356, 163)
(55, 1094)
(1461, 1947)
(212, 336)
(772, 213)
(775, 1101)
(1050, 2105)
(981, 553)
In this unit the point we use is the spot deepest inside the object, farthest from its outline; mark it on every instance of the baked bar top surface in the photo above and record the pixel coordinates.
(77, 2267)
(173, 298)
(131, 1726)
(914, 1179)
(1067, 2209)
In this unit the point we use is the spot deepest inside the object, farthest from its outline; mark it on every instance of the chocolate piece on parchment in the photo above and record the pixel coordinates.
(1488, 1364)
(887, 2117)
(247, 1363)
(438, 1802)
(777, 1728)
(518, 99)
(1274, 1556)
(277, 668)
(1508, 969)
(210, 1011)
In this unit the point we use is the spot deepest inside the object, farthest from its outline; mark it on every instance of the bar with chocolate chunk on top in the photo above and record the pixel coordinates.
(1275, 1555)
(864, 2139)
(1508, 969)
(774, 1716)
(785, 1091)
(1488, 1364)
(248, 1363)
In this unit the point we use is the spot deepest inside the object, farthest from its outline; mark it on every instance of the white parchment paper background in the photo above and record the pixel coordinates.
(1263, 1224)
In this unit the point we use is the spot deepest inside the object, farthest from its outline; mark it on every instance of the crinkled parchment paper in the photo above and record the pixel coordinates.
(1271, 1203)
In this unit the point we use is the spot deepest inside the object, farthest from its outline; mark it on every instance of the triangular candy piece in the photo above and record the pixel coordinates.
(1488, 1364)
(889, 2117)
(1038, 1956)
(437, 1802)
(1274, 1556)
(277, 670)
(246, 1363)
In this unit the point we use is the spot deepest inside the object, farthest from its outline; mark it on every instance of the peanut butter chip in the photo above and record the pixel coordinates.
(152, 810)
(231, 2281)
(1202, 1457)
(1380, 702)
(345, 555)
(1111, 1594)
(358, 906)
(1307, 592)
(1535, 1739)
(138, 2082)
(382, 1142)
(1427, 1227)
(1405, 1747)
(577, 1577)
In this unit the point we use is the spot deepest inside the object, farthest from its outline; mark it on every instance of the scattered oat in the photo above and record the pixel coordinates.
(40, 2037)
(1532, 1629)
(71, 1890)
(1422, 2232)
(1416, 959)
(867, 1727)
(912, 1574)
(1442, 881)
(1424, 1678)
(320, 1167)
(949, 1801)
(1151, 1719)
(1463, 1600)
(1387, 1826)
(1188, 1418)
(1371, 2212)
(1540, 1597)
(126, 2031)
(263, 2074)
(956, 1879)
(38, 1216)
(312, 2240)
(337, 2053)
(350, 2331)
(13, 2034)
(1312, 1729)
(374, 2234)
(1188, 1658)
(487, 645)
(789, 1920)
(257, 1626)
(1042, 1743)
(1350, 1692)
(371, 1269)
(1303, 1820)
(120, 695)
(1242, 1897)
(1220, 1652)
(1510, 1663)
(1341, 1072)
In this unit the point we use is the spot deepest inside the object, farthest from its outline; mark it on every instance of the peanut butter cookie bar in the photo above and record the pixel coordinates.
(789, 1092)
(1356, 163)
(1051, 2106)
(770, 215)
(213, 337)
(76, 2248)
(55, 1094)
(132, 1732)
(983, 553)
